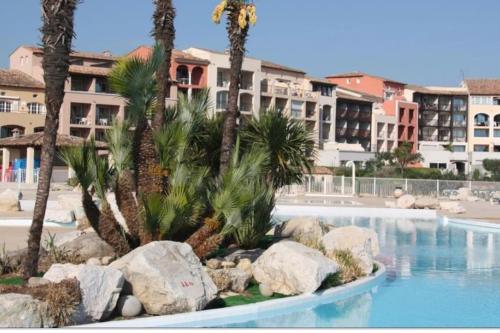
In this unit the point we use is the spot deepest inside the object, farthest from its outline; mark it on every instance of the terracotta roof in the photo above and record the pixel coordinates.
(144, 51)
(452, 91)
(36, 139)
(360, 74)
(78, 54)
(15, 78)
(279, 67)
(483, 86)
(90, 70)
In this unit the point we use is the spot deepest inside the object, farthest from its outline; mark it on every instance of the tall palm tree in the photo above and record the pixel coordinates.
(164, 34)
(57, 35)
(240, 14)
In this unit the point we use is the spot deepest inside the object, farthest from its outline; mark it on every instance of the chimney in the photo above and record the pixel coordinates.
(107, 53)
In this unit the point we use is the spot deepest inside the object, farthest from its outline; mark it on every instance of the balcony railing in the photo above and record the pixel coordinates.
(444, 137)
(444, 122)
(459, 139)
(445, 107)
(365, 116)
(482, 123)
(459, 108)
(280, 91)
(183, 80)
(459, 123)
(430, 138)
(352, 132)
(430, 106)
(432, 122)
(246, 107)
(364, 133)
(79, 120)
(342, 113)
(351, 114)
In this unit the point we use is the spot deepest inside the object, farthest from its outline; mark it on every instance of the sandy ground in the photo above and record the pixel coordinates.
(16, 238)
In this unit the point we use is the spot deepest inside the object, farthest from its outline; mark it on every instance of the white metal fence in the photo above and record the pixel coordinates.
(384, 187)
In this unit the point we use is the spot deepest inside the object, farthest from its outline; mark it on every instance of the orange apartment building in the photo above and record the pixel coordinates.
(394, 102)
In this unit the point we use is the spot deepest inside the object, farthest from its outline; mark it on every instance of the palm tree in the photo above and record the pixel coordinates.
(403, 156)
(288, 143)
(93, 173)
(240, 14)
(164, 34)
(57, 35)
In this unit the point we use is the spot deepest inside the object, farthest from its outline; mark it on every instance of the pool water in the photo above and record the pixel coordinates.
(438, 275)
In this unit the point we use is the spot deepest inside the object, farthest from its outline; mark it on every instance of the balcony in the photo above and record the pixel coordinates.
(430, 138)
(280, 91)
(429, 122)
(459, 123)
(352, 132)
(445, 104)
(342, 111)
(482, 123)
(80, 114)
(363, 133)
(246, 107)
(431, 106)
(445, 122)
(105, 114)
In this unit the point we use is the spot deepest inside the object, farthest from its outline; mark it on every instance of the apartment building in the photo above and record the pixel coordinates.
(22, 104)
(442, 124)
(188, 73)
(394, 102)
(484, 120)
(218, 78)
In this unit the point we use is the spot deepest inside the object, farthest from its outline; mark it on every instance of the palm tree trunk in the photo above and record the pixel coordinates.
(57, 33)
(209, 246)
(149, 178)
(209, 227)
(164, 32)
(91, 210)
(237, 38)
(127, 204)
(110, 230)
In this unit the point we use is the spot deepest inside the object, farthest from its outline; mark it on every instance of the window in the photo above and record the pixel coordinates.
(481, 148)
(459, 104)
(458, 149)
(296, 109)
(481, 119)
(459, 134)
(222, 99)
(222, 78)
(388, 95)
(481, 133)
(5, 106)
(358, 81)
(482, 100)
(459, 120)
(101, 86)
(348, 81)
(36, 108)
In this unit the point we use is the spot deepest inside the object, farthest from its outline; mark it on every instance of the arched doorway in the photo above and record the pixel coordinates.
(197, 76)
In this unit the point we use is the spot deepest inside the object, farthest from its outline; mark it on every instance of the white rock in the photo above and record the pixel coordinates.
(9, 201)
(214, 263)
(305, 230)
(245, 265)
(106, 260)
(452, 207)
(228, 264)
(23, 311)
(265, 290)
(129, 306)
(73, 202)
(390, 204)
(398, 193)
(100, 286)
(88, 245)
(59, 216)
(427, 203)
(167, 277)
(291, 268)
(473, 199)
(233, 279)
(94, 262)
(355, 239)
(37, 281)
(407, 201)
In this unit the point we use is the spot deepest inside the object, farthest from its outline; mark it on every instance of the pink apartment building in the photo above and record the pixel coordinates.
(394, 102)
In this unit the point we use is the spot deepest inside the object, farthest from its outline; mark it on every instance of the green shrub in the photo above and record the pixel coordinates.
(348, 265)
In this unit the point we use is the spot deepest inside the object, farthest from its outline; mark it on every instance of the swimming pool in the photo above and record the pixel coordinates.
(439, 274)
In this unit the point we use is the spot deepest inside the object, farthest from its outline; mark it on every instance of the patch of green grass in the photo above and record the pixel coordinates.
(252, 296)
(331, 281)
(12, 281)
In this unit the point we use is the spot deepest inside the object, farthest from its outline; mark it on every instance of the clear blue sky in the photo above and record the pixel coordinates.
(422, 42)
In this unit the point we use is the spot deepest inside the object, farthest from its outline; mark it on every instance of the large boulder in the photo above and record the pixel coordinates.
(73, 202)
(427, 203)
(167, 277)
(23, 311)
(305, 230)
(452, 207)
(59, 216)
(9, 201)
(100, 286)
(463, 193)
(291, 268)
(87, 245)
(361, 242)
(407, 201)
